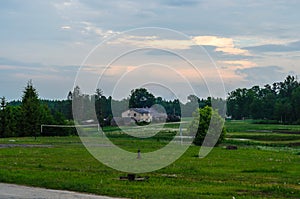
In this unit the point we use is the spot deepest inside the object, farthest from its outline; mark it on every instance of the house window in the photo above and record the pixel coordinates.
(134, 114)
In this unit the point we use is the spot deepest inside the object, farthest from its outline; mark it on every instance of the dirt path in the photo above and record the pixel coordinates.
(11, 191)
(24, 145)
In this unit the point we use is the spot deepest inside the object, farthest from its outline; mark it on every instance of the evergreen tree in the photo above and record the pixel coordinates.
(3, 117)
(78, 104)
(45, 115)
(9, 117)
(30, 110)
(99, 105)
(68, 107)
(13, 118)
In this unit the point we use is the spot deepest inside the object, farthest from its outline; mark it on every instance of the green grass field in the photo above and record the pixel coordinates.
(266, 165)
(277, 135)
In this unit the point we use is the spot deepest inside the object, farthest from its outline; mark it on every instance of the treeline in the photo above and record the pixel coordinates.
(85, 106)
(277, 103)
(25, 117)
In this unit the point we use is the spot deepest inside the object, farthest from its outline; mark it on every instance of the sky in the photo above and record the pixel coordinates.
(172, 47)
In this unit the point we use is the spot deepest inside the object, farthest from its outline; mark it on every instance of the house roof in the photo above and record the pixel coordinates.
(141, 110)
(152, 111)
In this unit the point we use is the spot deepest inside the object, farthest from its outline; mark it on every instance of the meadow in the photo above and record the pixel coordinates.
(265, 165)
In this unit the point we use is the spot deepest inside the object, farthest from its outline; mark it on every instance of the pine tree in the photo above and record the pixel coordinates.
(3, 117)
(30, 110)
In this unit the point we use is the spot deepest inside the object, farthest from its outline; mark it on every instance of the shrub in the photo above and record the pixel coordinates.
(207, 124)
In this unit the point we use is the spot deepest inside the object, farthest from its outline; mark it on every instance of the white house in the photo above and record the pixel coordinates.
(145, 115)
(138, 114)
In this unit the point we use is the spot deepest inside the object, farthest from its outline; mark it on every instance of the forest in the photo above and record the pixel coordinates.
(276, 103)
(25, 117)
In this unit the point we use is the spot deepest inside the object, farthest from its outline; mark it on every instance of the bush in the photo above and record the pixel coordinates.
(173, 118)
(207, 124)
(265, 122)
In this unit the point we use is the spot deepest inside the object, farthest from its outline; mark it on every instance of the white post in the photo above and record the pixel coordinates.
(180, 135)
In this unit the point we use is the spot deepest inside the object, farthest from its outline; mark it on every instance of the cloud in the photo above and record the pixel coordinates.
(13, 67)
(20, 64)
(44, 77)
(64, 4)
(181, 3)
(90, 28)
(52, 82)
(158, 52)
(222, 44)
(288, 47)
(65, 27)
(51, 34)
(262, 74)
(238, 63)
(152, 42)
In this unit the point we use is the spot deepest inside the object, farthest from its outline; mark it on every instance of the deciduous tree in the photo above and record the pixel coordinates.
(207, 123)
(141, 98)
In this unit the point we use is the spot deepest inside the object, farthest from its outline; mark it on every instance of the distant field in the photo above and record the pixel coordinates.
(246, 132)
(266, 165)
(249, 125)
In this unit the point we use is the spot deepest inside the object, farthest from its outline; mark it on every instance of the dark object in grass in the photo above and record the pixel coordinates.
(139, 154)
(231, 147)
(133, 177)
(286, 131)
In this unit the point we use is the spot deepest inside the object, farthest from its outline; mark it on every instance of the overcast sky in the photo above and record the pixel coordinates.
(248, 43)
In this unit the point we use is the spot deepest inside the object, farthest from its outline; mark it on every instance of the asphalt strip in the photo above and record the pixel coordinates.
(11, 191)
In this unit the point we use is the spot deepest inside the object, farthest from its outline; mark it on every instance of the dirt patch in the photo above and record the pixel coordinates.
(25, 145)
(287, 132)
(283, 131)
(294, 144)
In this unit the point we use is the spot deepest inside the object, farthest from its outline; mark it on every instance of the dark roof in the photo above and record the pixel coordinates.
(141, 110)
(152, 111)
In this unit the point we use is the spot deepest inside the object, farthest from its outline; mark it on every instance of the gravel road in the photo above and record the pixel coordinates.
(11, 191)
